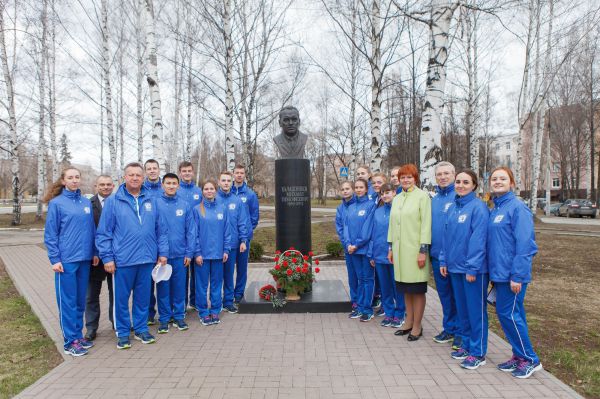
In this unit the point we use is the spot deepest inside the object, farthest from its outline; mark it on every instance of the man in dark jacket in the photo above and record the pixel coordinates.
(104, 188)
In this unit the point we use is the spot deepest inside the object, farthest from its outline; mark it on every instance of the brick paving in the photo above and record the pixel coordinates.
(267, 356)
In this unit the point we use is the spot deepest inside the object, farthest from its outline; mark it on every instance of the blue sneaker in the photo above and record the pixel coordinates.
(386, 322)
(355, 314)
(231, 309)
(85, 344)
(206, 321)
(123, 343)
(510, 365)
(380, 312)
(443, 337)
(151, 321)
(473, 362)
(181, 325)
(145, 337)
(457, 343)
(366, 317)
(376, 302)
(460, 354)
(75, 349)
(526, 368)
(163, 328)
(215, 319)
(397, 322)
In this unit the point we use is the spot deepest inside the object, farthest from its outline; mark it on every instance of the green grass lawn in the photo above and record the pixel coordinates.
(28, 220)
(26, 351)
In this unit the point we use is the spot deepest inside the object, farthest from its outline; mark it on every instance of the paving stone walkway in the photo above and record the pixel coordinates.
(267, 356)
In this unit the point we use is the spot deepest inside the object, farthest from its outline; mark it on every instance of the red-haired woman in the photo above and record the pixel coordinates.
(511, 247)
(409, 236)
(69, 238)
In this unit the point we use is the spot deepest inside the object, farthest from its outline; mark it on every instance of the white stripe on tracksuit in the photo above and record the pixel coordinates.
(516, 329)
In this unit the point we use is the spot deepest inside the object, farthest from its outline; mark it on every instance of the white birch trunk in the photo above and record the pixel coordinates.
(472, 106)
(152, 79)
(187, 155)
(229, 139)
(172, 148)
(139, 57)
(353, 80)
(431, 126)
(51, 66)
(41, 150)
(101, 122)
(375, 61)
(12, 126)
(112, 145)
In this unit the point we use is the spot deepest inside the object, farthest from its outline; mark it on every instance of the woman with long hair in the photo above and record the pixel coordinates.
(510, 248)
(463, 258)
(348, 198)
(213, 245)
(69, 238)
(409, 238)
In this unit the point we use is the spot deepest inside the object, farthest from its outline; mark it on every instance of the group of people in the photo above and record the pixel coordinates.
(393, 233)
(202, 233)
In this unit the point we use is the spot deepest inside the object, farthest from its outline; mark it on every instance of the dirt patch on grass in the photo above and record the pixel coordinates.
(322, 234)
(26, 351)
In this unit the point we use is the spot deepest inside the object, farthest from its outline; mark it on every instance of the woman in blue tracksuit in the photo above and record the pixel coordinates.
(347, 193)
(213, 245)
(357, 233)
(463, 255)
(392, 302)
(69, 238)
(511, 248)
(177, 213)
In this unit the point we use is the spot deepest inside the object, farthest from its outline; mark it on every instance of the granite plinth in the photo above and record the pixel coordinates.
(327, 296)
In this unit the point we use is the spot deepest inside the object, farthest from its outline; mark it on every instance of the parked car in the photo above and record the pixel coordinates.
(554, 208)
(578, 207)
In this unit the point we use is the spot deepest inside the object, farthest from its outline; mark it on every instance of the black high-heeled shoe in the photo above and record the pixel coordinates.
(412, 338)
(402, 332)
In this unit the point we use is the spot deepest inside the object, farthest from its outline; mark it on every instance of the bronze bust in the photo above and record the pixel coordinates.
(290, 142)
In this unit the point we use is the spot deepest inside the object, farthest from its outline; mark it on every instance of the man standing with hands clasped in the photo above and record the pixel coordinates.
(131, 237)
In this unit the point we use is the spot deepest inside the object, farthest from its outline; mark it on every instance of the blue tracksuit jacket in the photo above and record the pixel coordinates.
(154, 189)
(359, 222)
(131, 232)
(239, 219)
(465, 236)
(213, 237)
(378, 244)
(340, 219)
(249, 198)
(439, 209)
(70, 228)
(178, 215)
(190, 192)
(511, 240)
(371, 194)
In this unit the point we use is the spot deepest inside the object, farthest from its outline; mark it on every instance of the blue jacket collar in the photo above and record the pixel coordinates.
(169, 198)
(208, 203)
(239, 189)
(462, 201)
(388, 205)
(446, 190)
(123, 194)
(351, 201)
(187, 185)
(152, 185)
(223, 194)
(503, 198)
(362, 199)
(75, 195)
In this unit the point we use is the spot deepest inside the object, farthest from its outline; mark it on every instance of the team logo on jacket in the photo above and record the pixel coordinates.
(232, 206)
(498, 218)
(179, 212)
(220, 216)
(243, 199)
(361, 212)
(447, 206)
(148, 206)
(196, 196)
(86, 209)
(462, 218)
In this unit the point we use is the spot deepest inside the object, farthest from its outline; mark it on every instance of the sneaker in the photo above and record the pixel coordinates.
(526, 368)
(145, 337)
(231, 309)
(85, 344)
(215, 319)
(123, 343)
(380, 312)
(460, 354)
(181, 325)
(473, 362)
(443, 337)
(206, 321)
(163, 328)
(74, 349)
(237, 300)
(376, 302)
(397, 322)
(510, 365)
(386, 322)
(151, 322)
(366, 317)
(457, 343)
(355, 314)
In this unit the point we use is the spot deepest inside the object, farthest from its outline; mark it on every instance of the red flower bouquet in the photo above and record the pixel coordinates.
(269, 293)
(293, 272)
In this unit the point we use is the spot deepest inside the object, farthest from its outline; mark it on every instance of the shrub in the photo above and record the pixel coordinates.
(256, 251)
(334, 249)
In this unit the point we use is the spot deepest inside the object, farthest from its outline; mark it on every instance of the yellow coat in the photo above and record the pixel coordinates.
(410, 226)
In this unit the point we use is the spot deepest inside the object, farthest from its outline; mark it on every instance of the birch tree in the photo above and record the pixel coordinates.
(112, 145)
(227, 39)
(41, 150)
(51, 66)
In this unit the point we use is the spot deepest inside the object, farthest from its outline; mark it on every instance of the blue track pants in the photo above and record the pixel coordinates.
(366, 283)
(171, 293)
(471, 306)
(127, 280)
(444, 289)
(71, 287)
(392, 302)
(210, 271)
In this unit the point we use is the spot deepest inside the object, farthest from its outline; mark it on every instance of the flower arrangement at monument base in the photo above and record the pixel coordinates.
(269, 293)
(293, 272)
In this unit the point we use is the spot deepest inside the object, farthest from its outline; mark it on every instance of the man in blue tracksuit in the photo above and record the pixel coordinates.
(131, 237)
(444, 176)
(154, 190)
(250, 200)
(189, 191)
(239, 223)
(178, 215)
(348, 198)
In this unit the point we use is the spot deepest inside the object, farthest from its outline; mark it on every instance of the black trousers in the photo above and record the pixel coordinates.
(92, 300)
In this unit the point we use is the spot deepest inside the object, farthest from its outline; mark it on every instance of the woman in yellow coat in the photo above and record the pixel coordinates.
(409, 236)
